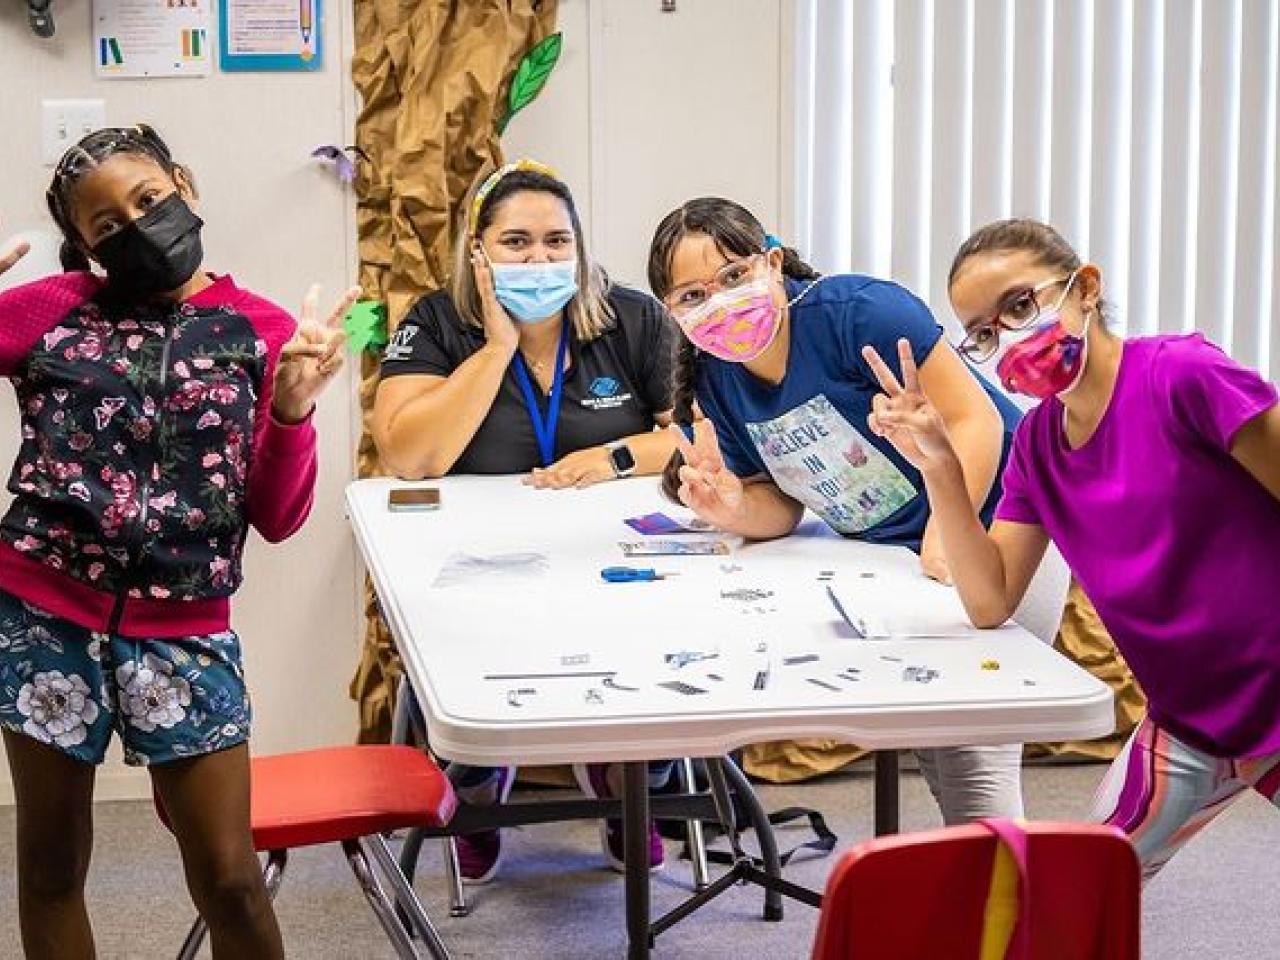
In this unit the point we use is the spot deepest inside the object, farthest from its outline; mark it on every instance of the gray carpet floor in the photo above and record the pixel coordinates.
(1219, 899)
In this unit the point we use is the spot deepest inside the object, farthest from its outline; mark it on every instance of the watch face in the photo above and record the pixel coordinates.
(623, 461)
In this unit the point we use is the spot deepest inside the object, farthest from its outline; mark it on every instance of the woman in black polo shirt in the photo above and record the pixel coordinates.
(530, 362)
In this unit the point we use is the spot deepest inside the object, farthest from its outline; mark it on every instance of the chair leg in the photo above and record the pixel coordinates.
(383, 909)
(405, 896)
(195, 937)
(272, 874)
(693, 830)
(458, 906)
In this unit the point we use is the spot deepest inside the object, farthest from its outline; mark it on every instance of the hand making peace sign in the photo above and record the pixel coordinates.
(309, 361)
(903, 415)
(707, 487)
(11, 256)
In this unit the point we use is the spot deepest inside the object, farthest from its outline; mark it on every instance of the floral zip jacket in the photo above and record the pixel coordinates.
(147, 450)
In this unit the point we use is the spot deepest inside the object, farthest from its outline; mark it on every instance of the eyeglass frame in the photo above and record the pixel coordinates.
(968, 347)
(712, 286)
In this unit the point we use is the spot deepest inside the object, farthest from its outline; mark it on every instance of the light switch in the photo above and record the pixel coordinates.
(64, 122)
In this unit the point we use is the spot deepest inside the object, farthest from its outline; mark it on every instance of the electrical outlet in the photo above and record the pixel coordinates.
(64, 122)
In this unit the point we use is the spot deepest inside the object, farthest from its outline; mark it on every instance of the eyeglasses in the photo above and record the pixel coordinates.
(1019, 309)
(688, 297)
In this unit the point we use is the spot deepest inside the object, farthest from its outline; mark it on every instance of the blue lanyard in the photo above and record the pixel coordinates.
(544, 429)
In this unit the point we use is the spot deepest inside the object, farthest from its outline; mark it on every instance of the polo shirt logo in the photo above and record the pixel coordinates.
(603, 394)
(604, 386)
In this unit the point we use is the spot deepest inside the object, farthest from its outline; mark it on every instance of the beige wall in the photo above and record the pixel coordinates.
(645, 110)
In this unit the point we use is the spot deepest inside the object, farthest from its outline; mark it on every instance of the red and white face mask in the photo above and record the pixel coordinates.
(1046, 360)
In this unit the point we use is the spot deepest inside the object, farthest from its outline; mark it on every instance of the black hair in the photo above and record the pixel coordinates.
(736, 233)
(86, 156)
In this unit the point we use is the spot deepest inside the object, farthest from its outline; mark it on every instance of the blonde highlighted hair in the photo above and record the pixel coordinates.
(589, 311)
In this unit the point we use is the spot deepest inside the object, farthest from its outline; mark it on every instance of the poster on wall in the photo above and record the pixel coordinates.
(270, 35)
(151, 38)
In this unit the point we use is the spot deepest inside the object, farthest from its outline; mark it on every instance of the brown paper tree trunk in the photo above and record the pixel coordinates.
(433, 77)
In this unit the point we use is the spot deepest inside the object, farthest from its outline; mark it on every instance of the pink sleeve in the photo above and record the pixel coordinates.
(282, 475)
(29, 311)
(1015, 501)
(1210, 394)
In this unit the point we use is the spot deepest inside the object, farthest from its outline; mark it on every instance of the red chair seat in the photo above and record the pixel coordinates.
(343, 793)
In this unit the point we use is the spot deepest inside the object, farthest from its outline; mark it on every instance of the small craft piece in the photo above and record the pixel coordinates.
(746, 595)
(681, 687)
(920, 674)
(682, 658)
(366, 326)
(341, 158)
(798, 659)
(990, 664)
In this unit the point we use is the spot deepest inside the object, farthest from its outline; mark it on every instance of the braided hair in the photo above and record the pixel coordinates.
(736, 233)
(88, 155)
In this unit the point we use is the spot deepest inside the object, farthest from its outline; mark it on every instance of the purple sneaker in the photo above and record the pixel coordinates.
(593, 779)
(480, 853)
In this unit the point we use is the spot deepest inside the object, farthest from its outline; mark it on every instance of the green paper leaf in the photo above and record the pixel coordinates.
(531, 76)
(366, 326)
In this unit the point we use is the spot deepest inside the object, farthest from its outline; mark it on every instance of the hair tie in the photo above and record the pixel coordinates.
(771, 242)
(495, 178)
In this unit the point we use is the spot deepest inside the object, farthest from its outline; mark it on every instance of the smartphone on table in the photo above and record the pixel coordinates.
(413, 499)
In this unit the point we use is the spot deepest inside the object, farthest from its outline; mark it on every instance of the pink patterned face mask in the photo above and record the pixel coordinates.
(736, 325)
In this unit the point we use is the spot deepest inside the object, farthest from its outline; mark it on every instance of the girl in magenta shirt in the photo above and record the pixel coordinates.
(1154, 465)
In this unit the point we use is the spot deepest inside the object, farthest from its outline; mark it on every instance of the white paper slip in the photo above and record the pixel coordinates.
(894, 608)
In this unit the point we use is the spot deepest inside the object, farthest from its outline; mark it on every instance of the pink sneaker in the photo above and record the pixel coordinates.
(594, 781)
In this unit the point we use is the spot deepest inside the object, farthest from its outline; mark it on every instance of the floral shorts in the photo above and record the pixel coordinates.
(70, 687)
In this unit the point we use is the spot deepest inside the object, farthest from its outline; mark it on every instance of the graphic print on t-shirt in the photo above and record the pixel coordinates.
(814, 454)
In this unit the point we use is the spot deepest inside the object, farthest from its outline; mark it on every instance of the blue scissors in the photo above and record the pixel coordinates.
(631, 574)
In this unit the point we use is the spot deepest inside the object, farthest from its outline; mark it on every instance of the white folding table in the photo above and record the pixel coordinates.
(517, 650)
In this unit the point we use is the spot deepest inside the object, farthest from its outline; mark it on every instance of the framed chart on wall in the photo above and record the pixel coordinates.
(143, 39)
(270, 35)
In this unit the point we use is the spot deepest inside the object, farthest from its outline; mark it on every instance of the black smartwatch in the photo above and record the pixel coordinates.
(624, 464)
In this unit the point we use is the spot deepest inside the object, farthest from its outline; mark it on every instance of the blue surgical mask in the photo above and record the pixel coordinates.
(535, 291)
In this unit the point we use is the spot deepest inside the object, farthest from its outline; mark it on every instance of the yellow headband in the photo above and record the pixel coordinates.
(494, 178)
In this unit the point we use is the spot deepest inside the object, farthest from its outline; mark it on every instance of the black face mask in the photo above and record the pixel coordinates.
(158, 252)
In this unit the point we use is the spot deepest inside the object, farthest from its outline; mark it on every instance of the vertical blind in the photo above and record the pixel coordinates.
(1144, 130)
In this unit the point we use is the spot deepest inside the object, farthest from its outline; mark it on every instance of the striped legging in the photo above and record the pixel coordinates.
(1162, 792)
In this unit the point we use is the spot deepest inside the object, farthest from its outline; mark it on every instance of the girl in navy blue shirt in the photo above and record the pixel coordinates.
(772, 359)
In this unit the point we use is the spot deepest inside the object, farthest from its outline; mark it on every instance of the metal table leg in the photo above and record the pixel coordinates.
(635, 833)
(886, 814)
(764, 833)
(694, 837)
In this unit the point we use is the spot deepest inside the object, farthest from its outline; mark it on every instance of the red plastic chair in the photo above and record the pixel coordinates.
(351, 796)
(1064, 891)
